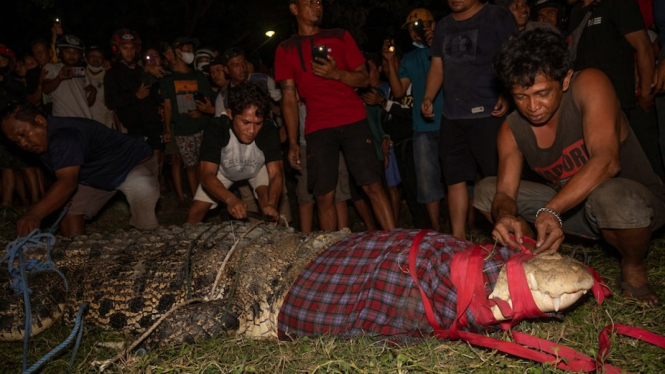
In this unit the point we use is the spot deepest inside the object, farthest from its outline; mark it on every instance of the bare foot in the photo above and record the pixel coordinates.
(634, 284)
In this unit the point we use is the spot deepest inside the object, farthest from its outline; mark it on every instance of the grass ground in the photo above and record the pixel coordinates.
(228, 354)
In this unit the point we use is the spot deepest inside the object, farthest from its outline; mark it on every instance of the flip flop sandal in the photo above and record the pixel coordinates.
(636, 292)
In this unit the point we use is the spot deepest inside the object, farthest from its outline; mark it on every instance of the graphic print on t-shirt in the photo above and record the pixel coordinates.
(461, 46)
(240, 161)
(184, 93)
(571, 161)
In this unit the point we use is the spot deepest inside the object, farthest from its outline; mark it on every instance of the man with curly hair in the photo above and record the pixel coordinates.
(570, 130)
(239, 147)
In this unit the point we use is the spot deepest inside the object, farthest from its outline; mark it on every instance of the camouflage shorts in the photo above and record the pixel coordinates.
(189, 146)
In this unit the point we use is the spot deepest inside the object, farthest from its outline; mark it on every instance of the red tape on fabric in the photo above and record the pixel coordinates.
(524, 346)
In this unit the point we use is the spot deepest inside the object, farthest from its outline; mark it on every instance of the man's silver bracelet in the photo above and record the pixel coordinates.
(550, 211)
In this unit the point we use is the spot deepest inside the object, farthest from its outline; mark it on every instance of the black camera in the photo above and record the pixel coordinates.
(390, 35)
(198, 96)
(363, 90)
(319, 51)
(419, 28)
(75, 72)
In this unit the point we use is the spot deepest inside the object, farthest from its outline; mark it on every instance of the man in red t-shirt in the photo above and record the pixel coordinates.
(336, 118)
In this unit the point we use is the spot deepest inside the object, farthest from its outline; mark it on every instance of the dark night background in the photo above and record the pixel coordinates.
(219, 24)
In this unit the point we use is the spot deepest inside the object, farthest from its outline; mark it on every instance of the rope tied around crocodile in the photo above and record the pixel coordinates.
(19, 268)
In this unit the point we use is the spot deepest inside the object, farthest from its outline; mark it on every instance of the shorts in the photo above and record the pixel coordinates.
(617, 203)
(141, 188)
(341, 190)
(355, 142)
(189, 146)
(392, 172)
(468, 145)
(428, 166)
(260, 179)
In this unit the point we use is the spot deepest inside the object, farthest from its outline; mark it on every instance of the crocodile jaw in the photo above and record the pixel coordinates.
(556, 282)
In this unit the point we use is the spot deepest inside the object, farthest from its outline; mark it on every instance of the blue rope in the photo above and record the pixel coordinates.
(78, 331)
(27, 328)
(19, 268)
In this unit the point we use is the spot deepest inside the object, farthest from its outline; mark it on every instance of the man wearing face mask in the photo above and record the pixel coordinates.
(202, 58)
(413, 71)
(95, 72)
(183, 121)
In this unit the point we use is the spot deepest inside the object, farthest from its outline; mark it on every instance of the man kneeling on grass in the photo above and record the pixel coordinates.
(90, 163)
(570, 130)
(239, 147)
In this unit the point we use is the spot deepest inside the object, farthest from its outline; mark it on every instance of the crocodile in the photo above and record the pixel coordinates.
(246, 276)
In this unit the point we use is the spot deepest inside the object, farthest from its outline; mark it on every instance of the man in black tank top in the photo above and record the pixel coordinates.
(571, 132)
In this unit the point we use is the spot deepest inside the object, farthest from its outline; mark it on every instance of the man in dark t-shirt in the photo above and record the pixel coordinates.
(90, 162)
(474, 105)
(570, 130)
(127, 91)
(239, 147)
(615, 41)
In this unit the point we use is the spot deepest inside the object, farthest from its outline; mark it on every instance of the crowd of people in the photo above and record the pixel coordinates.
(573, 87)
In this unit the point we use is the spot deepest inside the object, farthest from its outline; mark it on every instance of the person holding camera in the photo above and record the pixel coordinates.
(127, 91)
(326, 66)
(411, 72)
(66, 81)
(95, 70)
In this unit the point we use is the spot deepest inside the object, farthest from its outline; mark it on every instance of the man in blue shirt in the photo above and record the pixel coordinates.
(90, 162)
(413, 72)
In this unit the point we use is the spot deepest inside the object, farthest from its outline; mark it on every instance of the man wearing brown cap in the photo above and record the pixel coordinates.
(412, 72)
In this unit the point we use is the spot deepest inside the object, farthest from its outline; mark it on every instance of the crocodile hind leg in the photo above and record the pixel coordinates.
(195, 322)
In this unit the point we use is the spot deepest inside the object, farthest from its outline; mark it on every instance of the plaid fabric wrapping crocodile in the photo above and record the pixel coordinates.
(362, 286)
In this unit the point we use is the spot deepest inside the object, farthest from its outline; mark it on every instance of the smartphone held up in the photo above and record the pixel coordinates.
(319, 51)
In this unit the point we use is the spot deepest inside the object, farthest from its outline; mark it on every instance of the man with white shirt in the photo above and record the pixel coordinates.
(66, 82)
(95, 73)
(238, 147)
